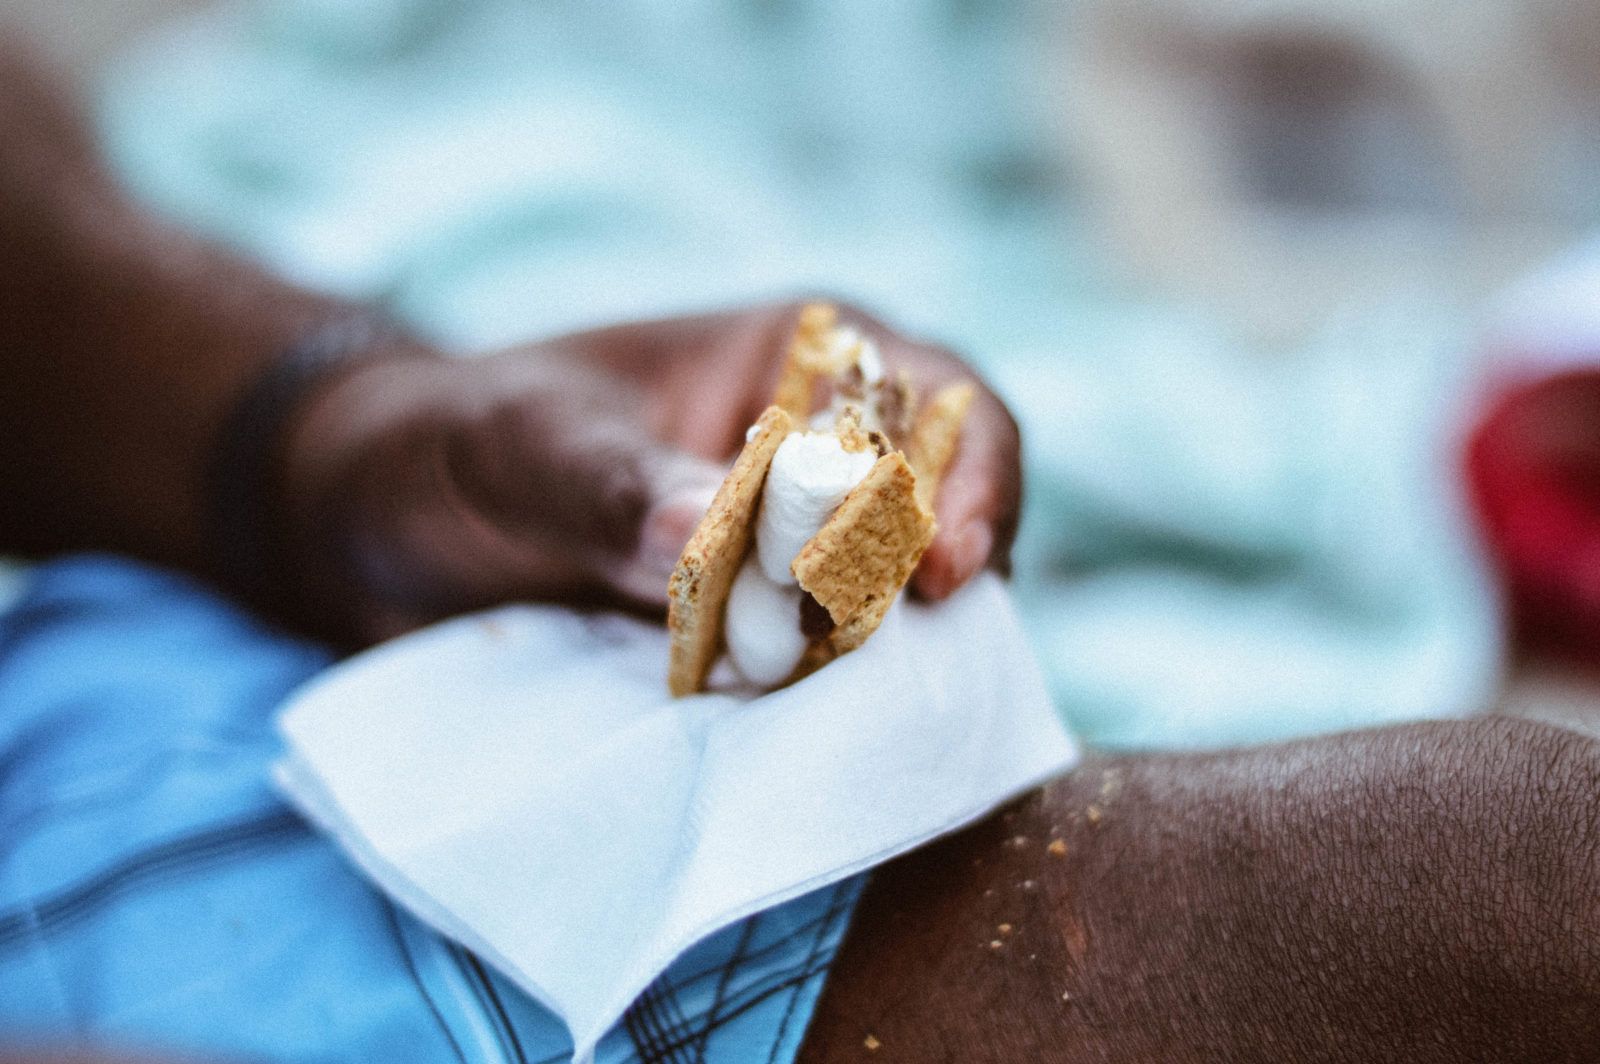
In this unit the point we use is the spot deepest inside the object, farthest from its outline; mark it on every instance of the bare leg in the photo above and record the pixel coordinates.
(1424, 893)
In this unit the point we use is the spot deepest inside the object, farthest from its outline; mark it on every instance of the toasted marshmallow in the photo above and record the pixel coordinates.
(810, 476)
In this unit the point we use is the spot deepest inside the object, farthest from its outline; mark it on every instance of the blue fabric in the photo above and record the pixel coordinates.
(156, 892)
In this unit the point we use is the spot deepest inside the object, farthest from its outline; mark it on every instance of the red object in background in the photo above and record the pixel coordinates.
(1533, 468)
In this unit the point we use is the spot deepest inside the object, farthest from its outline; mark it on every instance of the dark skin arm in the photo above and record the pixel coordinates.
(124, 342)
(408, 486)
(1427, 893)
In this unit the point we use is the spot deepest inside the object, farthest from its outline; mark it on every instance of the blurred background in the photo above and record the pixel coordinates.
(1241, 269)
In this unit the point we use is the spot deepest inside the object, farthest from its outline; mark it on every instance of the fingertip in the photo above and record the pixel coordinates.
(681, 501)
(669, 524)
(932, 579)
(971, 552)
(954, 559)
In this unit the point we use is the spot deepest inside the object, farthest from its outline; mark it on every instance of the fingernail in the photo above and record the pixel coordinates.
(971, 551)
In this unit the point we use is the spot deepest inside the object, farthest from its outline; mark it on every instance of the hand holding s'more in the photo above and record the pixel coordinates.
(821, 521)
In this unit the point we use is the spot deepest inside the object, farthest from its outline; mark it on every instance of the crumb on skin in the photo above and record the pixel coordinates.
(1092, 814)
(996, 944)
(1004, 929)
(871, 1043)
(1058, 848)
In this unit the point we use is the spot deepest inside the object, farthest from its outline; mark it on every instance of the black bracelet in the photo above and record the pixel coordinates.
(241, 478)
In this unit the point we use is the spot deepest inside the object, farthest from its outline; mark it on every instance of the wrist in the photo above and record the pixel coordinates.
(262, 479)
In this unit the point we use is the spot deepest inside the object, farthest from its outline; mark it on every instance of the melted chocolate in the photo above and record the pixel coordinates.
(815, 622)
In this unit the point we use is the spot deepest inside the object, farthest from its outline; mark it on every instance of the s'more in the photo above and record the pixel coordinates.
(822, 520)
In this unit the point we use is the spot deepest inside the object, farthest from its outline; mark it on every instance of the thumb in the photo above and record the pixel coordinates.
(678, 489)
(567, 491)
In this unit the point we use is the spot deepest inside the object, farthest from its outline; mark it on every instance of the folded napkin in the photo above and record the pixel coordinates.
(521, 781)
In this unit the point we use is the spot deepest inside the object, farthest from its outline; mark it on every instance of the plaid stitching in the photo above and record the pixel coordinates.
(645, 1030)
(734, 960)
(836, 907)
(500, 1010)
(472, 973)
(754, 955)
(654, 1044)
(667, 997)
(729, 967)
(636, 1021)
(416, 977)
(659, 1004)
(794, 977)
(151, 865)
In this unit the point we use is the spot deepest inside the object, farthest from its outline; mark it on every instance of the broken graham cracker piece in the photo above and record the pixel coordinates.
(847, 426)
(813, 355)
(864, 555)
(697, 595)
(897, 407)
(931, 446)
(935, 435)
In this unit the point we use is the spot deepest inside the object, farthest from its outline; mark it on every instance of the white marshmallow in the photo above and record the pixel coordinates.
(870, 362)
(848, 345)
(762, 626)
(810, 475)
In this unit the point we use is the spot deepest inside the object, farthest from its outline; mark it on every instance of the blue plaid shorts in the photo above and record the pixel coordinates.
(155, 893)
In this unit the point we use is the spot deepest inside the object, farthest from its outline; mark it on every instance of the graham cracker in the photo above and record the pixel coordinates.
(847, 426)
(812, 356)
(935, 435)
(697, 595)
(866, 552)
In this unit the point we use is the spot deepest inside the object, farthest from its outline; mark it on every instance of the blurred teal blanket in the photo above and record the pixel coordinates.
(1220, 545)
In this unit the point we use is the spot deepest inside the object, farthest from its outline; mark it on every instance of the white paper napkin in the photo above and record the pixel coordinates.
(521, 781)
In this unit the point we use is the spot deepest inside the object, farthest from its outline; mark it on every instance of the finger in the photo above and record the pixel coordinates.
(705, 377)
(981, 494)
(681, 495)
(977, 503)
(581, 493)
